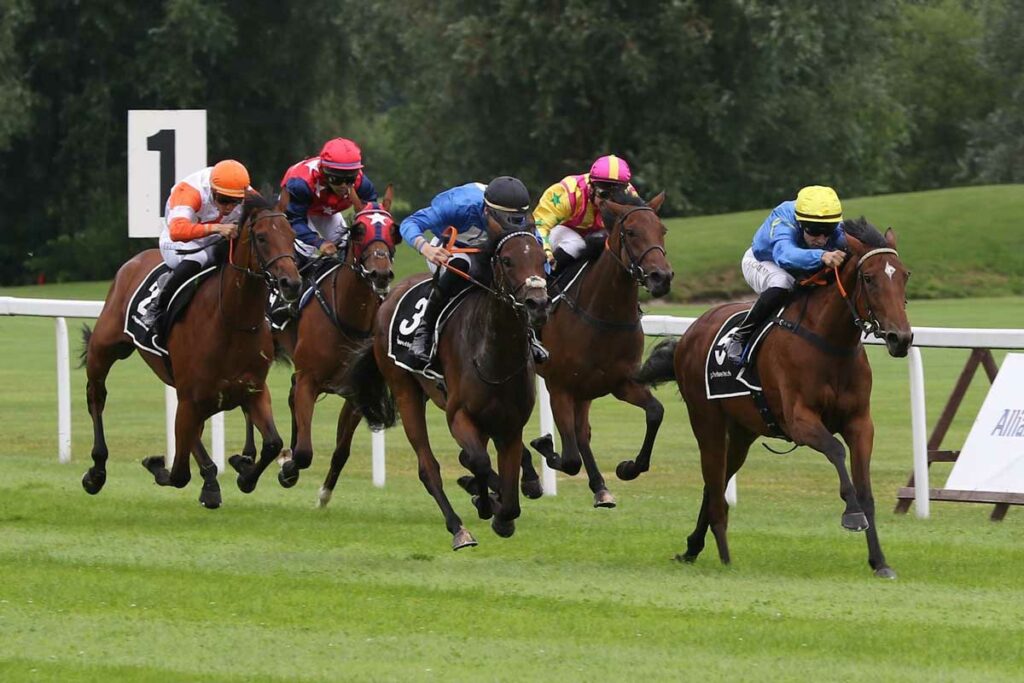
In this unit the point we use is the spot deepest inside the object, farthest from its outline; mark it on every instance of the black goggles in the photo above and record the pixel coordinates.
(818, 229)
(224, 199)
(340, 178)
(605, 190)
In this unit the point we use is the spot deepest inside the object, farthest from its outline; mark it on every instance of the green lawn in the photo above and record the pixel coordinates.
(140, 583)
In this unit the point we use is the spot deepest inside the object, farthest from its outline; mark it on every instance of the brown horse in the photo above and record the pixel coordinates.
(489, 379)
(596, 342)
(816, 380)
(322, 343)
(220, 350)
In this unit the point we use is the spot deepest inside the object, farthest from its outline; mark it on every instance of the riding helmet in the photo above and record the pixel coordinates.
(229, 178)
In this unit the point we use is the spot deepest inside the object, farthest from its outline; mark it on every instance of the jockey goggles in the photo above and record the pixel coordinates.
(343, 178)
(224, 199)
(818, 229)
(604, 190)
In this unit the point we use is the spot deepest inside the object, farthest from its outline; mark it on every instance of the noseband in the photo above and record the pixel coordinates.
(633, 267)
(532, 282)
(254, 249)
(867, 324)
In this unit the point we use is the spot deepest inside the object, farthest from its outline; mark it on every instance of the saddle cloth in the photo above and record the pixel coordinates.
(147, 293)
(721, 379)
(406, 319)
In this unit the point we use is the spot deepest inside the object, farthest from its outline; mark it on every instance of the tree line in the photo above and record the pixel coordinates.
(726, 105)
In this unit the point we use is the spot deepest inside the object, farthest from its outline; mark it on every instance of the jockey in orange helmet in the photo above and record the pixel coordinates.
(568, 215)
(203, 208)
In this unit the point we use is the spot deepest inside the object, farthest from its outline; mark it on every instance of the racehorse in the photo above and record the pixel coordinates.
(326, 335)
(596, 342)
(219, 351)
(489, 379)
(816, 380)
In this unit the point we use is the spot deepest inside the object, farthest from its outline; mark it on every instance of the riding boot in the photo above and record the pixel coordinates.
(769, 302)
(182, 272)
(283, 311)
(540, 354)
(562, 259)
(421, 338)
(595, 242)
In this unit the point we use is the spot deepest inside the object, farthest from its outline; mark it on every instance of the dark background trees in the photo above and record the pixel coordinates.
(725, 105)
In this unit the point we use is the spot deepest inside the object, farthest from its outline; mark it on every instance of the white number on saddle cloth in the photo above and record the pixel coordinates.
(154, 291)
(722, 345)
(409, 325)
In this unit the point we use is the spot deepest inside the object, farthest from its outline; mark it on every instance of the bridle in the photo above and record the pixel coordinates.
(632, 263)
(254, 249)
(868, 323)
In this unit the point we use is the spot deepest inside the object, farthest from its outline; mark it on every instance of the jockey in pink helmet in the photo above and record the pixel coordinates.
(568, 217)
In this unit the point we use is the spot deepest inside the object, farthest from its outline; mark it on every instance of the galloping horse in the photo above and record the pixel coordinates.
(322, 342)
(219, 351)
(489, 378)
(596, 342)
(817, 382)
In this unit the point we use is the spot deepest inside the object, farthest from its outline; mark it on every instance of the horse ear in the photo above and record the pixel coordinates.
(396, 233)
(389, 195)
(283, 199)
(890, 238)
(357, 203)
(657, 202)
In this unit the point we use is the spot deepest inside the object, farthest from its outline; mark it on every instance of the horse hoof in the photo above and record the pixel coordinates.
(572, 467)
(531, 488)
(627, 470)
(324, 497)
(93, 481)
(505, 529)
(468, 484)
(485, 513)
(855, 521)
(604, 499)
(288, 476)
(180, 483)
(686, 558)
(241, 463)
(543, 444)
(244, 484)
(154, 464)
(210, 498)
(885, 573)
(463, 539)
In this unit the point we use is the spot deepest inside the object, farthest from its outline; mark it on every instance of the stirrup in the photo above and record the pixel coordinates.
(540, 354)
(734, 357)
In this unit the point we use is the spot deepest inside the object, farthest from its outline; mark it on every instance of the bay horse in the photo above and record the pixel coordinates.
(220, 350)
(596, 341)
(321, 342)
(816, 380)
(489, 379)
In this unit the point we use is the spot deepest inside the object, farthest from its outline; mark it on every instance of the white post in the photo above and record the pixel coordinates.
(730, 491)
(63, 393)
(377, 446)
(547, 426)
(171, 401)
(917, 421)
(217, 441)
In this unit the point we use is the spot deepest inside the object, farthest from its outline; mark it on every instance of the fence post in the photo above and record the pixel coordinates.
(171, 409)
(63, 392)
(917, 422)
(547, 426)
(217, 441)
(730, 492)
(377, 445)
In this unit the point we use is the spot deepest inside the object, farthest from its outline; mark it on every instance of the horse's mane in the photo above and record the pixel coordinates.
(865, 232)
(621, 196)
(254, 202)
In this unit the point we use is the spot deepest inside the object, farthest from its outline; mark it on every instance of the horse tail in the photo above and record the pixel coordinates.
(83, 355)
(659, 366)
(364, 385)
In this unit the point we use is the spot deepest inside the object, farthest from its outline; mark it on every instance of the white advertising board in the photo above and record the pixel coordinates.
(992, 459)
(164, 146)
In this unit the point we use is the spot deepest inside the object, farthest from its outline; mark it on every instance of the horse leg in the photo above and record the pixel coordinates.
(263, 418)
(475, 458)
(99, 360)
(640, 396)
(806, 428)
(710, 429)
(603, 498)
(570, 460)
(209, 497)
(249, 449)
(859, 435)
(510, 455)
(348, 420)
(188, 427)
(301, 400)
(530, 484)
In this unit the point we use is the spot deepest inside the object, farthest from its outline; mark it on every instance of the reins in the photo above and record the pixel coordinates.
(248, 272)
(867, 324)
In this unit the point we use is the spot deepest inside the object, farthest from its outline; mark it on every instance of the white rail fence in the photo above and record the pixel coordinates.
(654, 325)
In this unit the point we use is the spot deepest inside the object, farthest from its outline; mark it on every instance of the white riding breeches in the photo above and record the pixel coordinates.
(762, 275)
(202, 249)
(332, 228)
(566, 239)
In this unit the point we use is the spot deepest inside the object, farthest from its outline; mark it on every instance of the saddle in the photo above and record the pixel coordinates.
(404, 321)
(316, 272)
(146, 294)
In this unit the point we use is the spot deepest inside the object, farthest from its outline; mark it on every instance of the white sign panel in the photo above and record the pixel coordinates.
(993, 457)
(164, 146)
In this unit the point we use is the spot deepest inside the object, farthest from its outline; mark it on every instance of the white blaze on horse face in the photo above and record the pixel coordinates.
(889, 270)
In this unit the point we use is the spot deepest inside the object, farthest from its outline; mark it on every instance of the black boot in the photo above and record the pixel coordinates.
(770, 301)
(595, 242)
(421, 338)
(182, 272)
(540, 354)
(562, 260)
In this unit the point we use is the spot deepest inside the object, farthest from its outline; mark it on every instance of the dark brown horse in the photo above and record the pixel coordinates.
(489, 378)
(322, 343)
(816, 380)
(220, 350)
(596, 342)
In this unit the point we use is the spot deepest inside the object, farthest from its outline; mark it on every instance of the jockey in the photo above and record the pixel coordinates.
(315, 192)
(797, 239)
(202, 210)
(465, 208)
(568, 217)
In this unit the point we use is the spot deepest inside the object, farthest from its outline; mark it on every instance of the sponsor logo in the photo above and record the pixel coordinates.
(1010, 424)
(718, 374)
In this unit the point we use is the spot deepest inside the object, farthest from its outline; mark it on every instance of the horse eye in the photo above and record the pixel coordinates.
(506, 261)
(868, 279)
(629, 232)
(261, 238)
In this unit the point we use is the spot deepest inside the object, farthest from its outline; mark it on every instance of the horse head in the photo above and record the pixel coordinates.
(880, 295)
(517, 260)
(265, 246)
(373, 236)
(636, 237)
